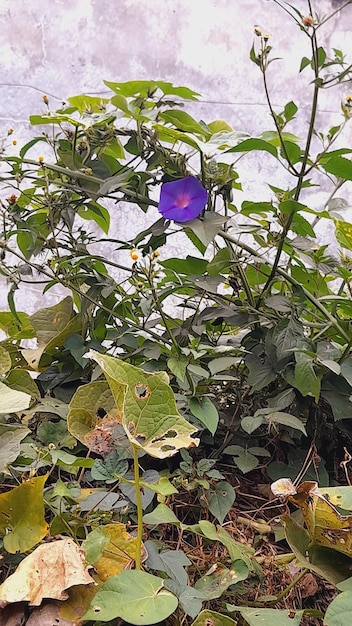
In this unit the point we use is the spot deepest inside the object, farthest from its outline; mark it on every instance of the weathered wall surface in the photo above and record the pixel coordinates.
(65, 47)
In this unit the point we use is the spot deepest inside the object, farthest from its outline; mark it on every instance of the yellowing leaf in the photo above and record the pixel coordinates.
(94, 419)
(147, 406)
(110, 549)
(326, 525)
(46, 573)
(22, 522)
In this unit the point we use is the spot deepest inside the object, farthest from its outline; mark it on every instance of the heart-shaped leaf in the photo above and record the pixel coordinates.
(135, 596)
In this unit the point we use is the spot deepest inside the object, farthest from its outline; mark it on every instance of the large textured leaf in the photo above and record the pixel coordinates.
(95, 417)
(110, 549)
(11, 436)
(46, 573)
(22, 522)
(147, 406)
(135, 596)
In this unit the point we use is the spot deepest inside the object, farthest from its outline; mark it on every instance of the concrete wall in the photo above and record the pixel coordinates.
(65, 47)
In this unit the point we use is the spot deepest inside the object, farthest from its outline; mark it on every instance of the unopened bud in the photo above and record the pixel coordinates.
(45, 99)
(307, 20)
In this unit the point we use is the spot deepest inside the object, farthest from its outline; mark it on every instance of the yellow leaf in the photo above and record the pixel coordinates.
(110, 549)
(22, 522)
(48, 572)
(325, 524)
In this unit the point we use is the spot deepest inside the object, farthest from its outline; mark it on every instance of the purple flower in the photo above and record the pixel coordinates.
(182, 200)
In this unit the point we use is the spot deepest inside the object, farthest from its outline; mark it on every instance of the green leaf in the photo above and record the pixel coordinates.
(162, 514)
(248, 145)
(204, 410)
(339, 166)
(346, 370)
(221, 363)
(5, 361)
(286, 336)
(306, 380)
(268, 617)
(13, 401)
(244, 460)
(22, 522)
(178, 366)
(182, 121)
(21, 380)
(135, 596)
(11, 436)
(339, 611)
(94, 211)
(221, 261)
(55, 433)
(206, 228)
(16, 327)
(304, 63)
(190, 265)
(220, 500)
(343, 233)
(147, 407)
(172, 562)
(213, 618)
(213, 585)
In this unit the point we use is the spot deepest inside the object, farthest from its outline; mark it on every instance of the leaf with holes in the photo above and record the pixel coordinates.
(220, 500)
(95, 420)
(147, 407)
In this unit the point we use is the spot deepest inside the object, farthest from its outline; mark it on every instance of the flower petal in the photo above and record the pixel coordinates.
(182, 200)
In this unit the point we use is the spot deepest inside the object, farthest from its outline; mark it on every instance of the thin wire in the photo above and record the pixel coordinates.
(102, 93)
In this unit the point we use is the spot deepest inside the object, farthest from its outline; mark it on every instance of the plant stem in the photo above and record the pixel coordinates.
(334, 322)
(139, 507)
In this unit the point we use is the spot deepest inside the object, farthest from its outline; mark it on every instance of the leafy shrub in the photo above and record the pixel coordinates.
(245, 340)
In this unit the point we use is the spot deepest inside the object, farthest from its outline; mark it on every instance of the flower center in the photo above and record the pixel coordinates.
(183, 201)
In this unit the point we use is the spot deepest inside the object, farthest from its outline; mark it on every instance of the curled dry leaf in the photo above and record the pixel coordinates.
(46, 573)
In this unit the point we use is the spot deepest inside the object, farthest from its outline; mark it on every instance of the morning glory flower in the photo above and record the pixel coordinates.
(182, 200)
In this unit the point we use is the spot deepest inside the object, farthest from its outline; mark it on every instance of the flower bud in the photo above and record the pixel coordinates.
(307, 20)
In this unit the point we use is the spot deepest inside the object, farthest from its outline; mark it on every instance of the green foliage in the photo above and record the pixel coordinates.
(161, 387)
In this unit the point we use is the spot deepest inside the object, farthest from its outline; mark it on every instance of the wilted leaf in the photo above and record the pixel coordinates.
(46, 573)
(110, 549)
(22, 522)
(11, 436)
(135, 596)
(326, 525)
(147, 406)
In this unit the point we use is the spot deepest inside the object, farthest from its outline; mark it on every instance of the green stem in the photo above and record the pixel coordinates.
(139, 507)
(301, 174)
